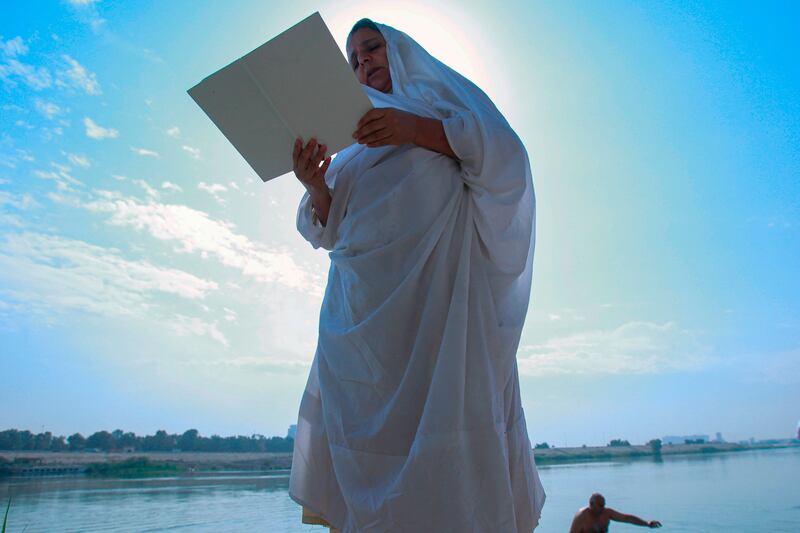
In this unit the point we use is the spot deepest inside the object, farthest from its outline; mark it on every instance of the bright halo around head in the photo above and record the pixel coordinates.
(445, 32)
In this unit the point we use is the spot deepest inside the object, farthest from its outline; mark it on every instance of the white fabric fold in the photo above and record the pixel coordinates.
(411, 419)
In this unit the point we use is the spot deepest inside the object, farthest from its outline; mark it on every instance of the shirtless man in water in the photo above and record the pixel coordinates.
(595, 517)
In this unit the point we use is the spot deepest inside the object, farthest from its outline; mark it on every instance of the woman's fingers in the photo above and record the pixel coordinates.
(370, 127)
(324, 167)
(373, 120)
(372, 132)
(372, 114)
(318, 156)
(307, 159)
(298, 145)
(376, 136)
(305, 155)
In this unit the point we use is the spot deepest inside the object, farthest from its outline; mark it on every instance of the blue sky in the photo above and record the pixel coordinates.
(149, 280)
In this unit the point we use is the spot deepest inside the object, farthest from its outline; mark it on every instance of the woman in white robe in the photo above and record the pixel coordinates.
(411, 419)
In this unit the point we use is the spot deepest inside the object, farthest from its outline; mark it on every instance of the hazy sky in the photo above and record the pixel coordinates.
(149, 280)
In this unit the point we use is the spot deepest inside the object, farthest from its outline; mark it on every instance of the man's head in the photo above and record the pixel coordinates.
(366, 52)
(597, 503)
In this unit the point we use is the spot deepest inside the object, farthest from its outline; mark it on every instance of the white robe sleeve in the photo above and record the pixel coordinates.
(486, 148)
(311, 228)
(495, 167)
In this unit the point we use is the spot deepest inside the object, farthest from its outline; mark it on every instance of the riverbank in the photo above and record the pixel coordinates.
(30, 463)
(118, 464)
(606, 453)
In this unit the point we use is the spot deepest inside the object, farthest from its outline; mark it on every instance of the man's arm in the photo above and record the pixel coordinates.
(576, 524)
(631, 519)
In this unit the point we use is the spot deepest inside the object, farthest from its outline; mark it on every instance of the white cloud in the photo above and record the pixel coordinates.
(13, 47)
(152, 56)
(214, 189)
(144, 152)
(13, 107)
(174, 132)
(79, 160)
(52, 273)
(49, 133)
(48, 109)
(7, 219)
(151, 192)
(76, 75)
(633, 348)
(86, 12)
(183, 326)
(253, 364)
(95, 131)
(61, 175)
(18, 201)
(171, 186)
(37, 78)
(197, 233)
(193, 152)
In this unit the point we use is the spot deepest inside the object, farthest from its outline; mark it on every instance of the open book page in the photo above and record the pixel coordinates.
(298, 84)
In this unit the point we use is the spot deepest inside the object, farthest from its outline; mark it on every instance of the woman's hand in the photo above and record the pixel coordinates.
(307, 164)
(308, 170)
(386, 125)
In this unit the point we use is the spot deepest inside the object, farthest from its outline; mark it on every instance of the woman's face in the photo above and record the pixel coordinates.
(366, 51)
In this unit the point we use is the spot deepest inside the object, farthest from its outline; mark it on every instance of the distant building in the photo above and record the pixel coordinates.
(797, 436)
(292, 431)
(681, 439)
(719, 438)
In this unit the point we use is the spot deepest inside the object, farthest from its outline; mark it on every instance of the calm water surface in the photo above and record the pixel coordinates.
(754, 491)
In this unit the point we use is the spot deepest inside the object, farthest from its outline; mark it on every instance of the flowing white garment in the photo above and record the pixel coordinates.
(411, 419)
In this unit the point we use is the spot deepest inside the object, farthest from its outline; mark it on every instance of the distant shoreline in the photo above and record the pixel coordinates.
(604, 453)
(142, 464)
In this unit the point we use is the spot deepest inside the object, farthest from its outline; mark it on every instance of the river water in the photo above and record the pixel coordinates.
(752, 491)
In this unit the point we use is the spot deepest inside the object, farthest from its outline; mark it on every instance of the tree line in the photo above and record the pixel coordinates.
(161, 441)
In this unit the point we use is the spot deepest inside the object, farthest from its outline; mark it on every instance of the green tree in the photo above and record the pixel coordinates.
(655, 445)
(42, 441)
(76, 442)
(189, 441)
(58, 444)
(102, 440)
(160, 442)
(128, 440)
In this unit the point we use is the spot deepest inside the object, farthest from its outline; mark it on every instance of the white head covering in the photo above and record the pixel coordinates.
(494, 162)
(417, 74)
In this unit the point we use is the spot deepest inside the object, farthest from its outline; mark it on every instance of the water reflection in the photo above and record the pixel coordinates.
(744, 491)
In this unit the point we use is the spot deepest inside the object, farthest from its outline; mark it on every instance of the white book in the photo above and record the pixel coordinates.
(298, 84)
